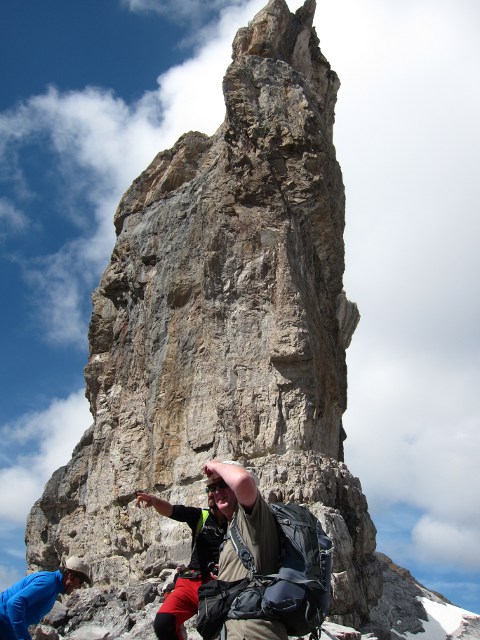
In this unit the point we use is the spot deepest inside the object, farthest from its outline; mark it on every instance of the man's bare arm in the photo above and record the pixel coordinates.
(163, 507)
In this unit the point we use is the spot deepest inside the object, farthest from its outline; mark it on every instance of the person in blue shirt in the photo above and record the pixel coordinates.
(28, 600)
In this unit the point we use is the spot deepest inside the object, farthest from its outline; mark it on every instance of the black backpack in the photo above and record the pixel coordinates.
(299, 594)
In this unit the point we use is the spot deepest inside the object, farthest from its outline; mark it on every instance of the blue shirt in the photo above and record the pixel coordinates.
(27, 601)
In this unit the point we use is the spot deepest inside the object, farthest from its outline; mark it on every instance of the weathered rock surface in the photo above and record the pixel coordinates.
(219, 329)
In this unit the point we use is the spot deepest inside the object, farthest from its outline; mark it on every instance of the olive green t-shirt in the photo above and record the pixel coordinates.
(260, 533)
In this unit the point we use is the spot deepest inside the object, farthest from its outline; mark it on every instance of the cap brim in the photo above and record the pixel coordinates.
(83, 576)
(212, 478)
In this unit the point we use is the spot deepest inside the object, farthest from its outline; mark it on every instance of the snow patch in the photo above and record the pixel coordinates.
(443, 620)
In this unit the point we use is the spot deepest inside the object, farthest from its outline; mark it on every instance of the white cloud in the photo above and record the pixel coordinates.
(99, 146)
(53, 434)
(11, 217)
(414, 436)
(59, 298)
(191, 10)
(409, 145)
(98, 132)
(433, 537)
(8, 575)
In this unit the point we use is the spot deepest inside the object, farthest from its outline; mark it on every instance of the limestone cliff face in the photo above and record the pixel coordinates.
(219, 328)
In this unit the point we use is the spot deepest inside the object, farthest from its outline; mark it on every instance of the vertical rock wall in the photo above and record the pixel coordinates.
(219, 328)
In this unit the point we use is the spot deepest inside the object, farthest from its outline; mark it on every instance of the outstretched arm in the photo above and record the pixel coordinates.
(163, 507)
(240, 481)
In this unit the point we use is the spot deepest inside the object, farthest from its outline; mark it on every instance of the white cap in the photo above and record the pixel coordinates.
(78, 566)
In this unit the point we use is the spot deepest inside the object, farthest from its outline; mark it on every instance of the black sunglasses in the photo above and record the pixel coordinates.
(211, 488)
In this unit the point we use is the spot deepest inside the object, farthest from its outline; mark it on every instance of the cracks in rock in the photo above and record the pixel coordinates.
(281, 425)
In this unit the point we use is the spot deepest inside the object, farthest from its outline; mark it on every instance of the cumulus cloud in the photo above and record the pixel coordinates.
(37, 444)
(419, 426)
(33, 447)
(434, 536)
(98, 145)
(412, 260)
(191, 10)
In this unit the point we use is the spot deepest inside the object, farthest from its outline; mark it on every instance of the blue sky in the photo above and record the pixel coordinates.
(91, 91)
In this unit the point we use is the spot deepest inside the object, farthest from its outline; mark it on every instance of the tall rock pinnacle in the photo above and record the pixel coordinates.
(219, 327)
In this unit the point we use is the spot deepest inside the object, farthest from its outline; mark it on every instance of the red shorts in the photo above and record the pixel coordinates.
(182, 602)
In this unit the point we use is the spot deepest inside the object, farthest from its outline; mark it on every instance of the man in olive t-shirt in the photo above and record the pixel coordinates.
(237, 496)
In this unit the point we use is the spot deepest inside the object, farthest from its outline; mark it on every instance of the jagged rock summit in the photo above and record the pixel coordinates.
(219, 329)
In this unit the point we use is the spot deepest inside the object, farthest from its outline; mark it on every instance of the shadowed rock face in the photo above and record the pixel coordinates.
(219, 329)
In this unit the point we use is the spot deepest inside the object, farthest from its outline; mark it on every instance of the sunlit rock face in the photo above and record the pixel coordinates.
(219, 329)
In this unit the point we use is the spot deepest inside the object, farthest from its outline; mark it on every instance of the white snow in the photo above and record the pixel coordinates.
(443, 619)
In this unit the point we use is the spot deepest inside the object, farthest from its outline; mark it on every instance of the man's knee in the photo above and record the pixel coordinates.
(165, 626)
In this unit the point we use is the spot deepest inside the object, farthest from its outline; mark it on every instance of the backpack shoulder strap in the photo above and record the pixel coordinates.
(201, 521)
(240, 547)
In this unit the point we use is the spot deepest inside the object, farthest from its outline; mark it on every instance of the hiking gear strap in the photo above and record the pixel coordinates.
(241, 548)
(201, 521)
(248, 561)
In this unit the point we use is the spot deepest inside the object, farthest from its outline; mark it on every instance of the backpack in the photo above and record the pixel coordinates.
(299, 594)
(214, 601)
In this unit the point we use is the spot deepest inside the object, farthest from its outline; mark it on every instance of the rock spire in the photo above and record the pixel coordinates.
(219, 329)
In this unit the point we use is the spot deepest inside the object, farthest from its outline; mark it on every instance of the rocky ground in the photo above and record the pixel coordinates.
(100, 614)
(406, 610)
